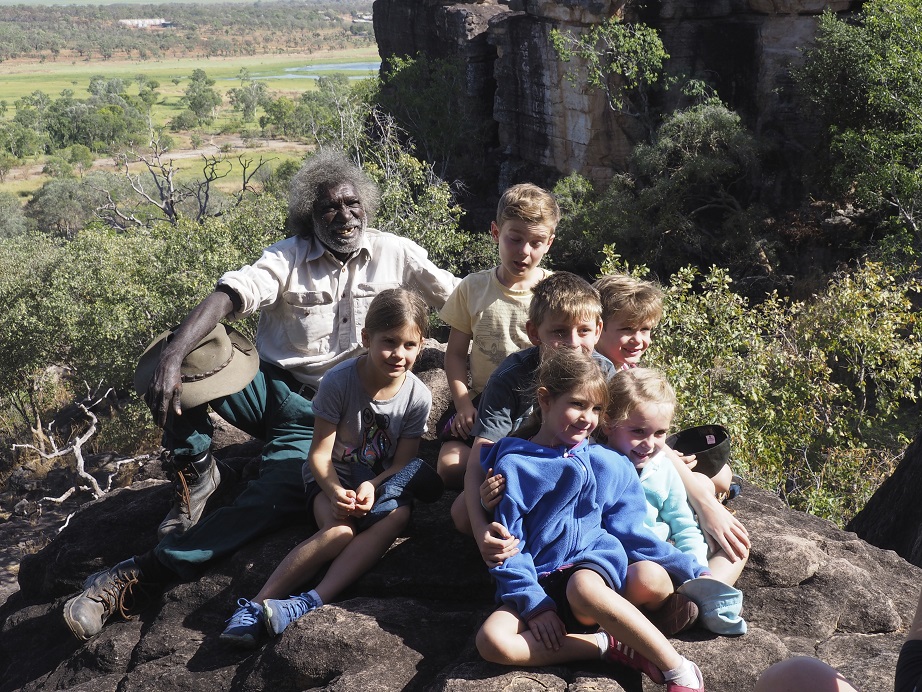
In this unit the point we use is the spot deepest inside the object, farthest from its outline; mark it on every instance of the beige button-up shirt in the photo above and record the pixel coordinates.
(312, 306)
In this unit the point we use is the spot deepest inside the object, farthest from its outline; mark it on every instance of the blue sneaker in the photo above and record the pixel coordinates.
(245, 625)
(279, 613)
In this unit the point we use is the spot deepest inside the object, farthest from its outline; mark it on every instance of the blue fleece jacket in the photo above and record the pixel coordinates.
(585, 504)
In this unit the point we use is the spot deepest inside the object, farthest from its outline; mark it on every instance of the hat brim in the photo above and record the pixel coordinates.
(231, 379)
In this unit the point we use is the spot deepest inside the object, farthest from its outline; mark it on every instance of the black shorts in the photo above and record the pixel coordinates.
(909, 668)
(555, 585)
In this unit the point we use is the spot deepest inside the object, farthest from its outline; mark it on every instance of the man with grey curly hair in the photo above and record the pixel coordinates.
(312, 291)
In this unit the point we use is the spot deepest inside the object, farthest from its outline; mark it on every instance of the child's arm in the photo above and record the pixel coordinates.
(715, 520)
(320, 458)
(456, 371)
(494, 542)
(624, 506)
(676, 513)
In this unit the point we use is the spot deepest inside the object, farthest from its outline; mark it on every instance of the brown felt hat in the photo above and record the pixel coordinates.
(222, 363)
(709, 443)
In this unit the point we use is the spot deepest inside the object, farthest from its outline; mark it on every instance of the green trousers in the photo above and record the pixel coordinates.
(271, 409)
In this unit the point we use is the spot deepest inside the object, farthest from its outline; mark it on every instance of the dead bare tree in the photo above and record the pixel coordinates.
(158, 194)
(84, 481)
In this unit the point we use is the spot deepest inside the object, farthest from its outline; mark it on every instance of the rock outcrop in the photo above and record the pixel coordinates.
(743, 48)
(409, 623)
(892, 518)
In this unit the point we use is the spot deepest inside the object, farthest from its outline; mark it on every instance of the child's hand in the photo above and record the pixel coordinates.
(463, 421)
(548, 629)
(364, 499)
(690, 459)
(343, 502)
(491, 490)
(497, 545)
(725, 530)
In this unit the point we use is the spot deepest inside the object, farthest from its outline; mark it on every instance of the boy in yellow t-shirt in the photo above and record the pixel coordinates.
(487, 313)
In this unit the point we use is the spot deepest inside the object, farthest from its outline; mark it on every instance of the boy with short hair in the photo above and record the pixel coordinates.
(631, 309)
(488, 311)
(565, 312)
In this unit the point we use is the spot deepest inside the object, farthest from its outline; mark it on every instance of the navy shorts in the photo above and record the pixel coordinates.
(555, 585)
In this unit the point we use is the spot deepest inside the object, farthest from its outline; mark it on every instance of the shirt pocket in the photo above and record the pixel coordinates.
(363, 294)
(313, 316)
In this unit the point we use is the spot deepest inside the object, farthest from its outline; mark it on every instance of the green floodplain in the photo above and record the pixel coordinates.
(20, 78)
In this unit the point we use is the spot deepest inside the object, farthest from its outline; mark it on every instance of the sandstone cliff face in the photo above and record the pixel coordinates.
(744, 48)
(409, 623)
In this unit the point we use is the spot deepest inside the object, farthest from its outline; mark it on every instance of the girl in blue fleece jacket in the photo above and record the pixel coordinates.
(578, 510)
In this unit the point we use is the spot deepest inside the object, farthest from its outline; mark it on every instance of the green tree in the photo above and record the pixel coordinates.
(200, 97)
(80, 157)
(13, 221)
(864, 78)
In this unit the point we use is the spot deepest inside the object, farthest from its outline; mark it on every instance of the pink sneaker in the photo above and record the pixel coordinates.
(673, 687)
(619, 652)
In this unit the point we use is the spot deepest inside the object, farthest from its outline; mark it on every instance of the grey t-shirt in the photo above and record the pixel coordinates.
(367, 430)
(510, 393)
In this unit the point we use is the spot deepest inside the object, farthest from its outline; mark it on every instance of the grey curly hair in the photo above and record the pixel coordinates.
(326, 167)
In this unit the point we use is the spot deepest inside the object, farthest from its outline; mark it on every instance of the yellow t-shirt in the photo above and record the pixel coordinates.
(494, 316)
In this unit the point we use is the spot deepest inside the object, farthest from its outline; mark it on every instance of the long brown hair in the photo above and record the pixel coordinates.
(561, 372)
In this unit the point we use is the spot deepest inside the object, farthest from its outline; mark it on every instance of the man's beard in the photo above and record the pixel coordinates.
(340, 244)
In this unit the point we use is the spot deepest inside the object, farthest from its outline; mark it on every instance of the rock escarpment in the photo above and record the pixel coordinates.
(409, 623)
(743, 48)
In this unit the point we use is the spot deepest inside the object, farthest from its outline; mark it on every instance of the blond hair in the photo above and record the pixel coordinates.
(629, 389)
(637, 302)
(565, 294)
(529, 203)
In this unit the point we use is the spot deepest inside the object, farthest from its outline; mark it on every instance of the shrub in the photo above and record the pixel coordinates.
(811, 392)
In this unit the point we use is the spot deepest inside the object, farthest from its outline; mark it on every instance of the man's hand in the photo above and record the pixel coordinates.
(548, 628)
(165, 388)
(491, 490)
(497, 545)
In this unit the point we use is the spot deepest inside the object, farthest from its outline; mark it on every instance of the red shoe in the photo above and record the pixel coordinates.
(673, 687)
(619, 652)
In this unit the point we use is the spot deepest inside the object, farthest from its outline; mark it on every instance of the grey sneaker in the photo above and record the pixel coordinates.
(245, 625)
(193, 483)
(103, 594)
(279, 613)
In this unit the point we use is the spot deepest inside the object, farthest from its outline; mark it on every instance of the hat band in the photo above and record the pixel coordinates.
(204, 375)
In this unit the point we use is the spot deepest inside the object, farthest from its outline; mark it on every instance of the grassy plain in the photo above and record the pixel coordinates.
(20, 78)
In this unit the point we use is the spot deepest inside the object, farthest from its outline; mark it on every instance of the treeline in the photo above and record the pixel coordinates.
(225, 29)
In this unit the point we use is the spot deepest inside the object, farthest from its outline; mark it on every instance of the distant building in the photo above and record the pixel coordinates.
(146, 23)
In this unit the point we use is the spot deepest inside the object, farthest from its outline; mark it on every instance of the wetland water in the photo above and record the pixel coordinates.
(364, 70)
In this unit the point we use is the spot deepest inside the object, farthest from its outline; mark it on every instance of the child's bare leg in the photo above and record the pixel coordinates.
(306, 558)
(593, 601)
(723, 569)
(362, 553)
(451, 462)
(460, 517)
(722, 479)
(505, 638)
(647, 585)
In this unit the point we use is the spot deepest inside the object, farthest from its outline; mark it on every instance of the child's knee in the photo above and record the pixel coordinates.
(490, 645)
(647, 584)
(459, 516)
(451, 462)
(722, 479)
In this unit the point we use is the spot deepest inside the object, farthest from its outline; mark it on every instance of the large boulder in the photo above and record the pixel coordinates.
(409, 623)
